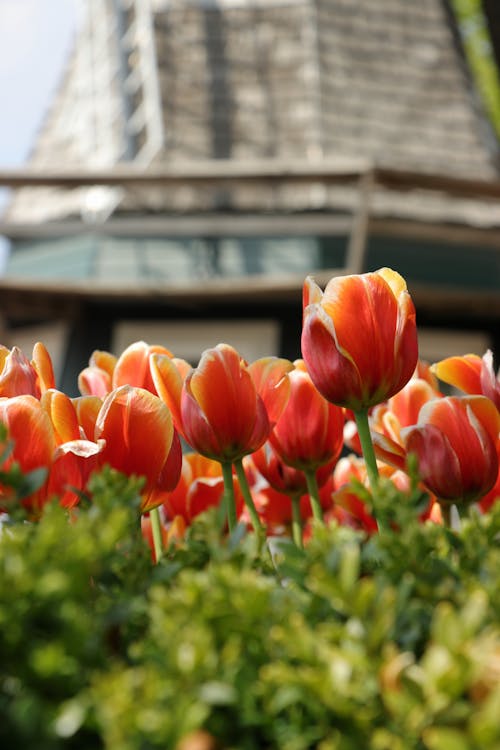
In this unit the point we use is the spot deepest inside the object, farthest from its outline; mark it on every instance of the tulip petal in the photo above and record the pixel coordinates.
(132, 367)
(18, 376)
(311, 293)
(103, 361)
(461, 372)
(490, 383)
(334, 374)
(62, 414)
(87, 408)
(42, 364)
(168, 377)
(224, 391)
(434, 451)
(269, 375)
(198, 432)
(138, 430)
(92, 381)
(30, 428)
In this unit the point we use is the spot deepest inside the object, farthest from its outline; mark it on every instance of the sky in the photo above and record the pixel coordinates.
(35, 40)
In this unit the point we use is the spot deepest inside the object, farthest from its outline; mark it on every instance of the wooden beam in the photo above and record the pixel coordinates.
(188, 225)
(271, 171)
(24, 299)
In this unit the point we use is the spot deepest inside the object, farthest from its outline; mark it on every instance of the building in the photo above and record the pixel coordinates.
(202, 156)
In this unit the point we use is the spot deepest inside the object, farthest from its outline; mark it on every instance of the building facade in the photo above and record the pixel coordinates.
(202, 156)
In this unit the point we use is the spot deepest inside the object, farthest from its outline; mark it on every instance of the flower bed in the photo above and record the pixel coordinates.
(318, 568)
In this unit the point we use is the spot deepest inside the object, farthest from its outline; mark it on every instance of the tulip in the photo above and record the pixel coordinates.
(359, 337)
(31, 432)
(63, 415)
(359, 342)
(200, 487)
(140, 440)
(455, 442)
(402, 410)
(87, 409)
(17, 374)
(42, 364)
(222, 414)
(218, 409)
(73, 463)
(133, 366)
(471, 374)
(287, 486)
(309, 433)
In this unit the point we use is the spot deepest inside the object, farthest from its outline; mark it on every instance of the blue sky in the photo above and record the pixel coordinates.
(35, 40)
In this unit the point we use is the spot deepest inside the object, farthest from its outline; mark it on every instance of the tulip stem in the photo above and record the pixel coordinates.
(227, 473)
(313, 490)
(296, 521)
(154, 515)
(247, 497)
(365, 439)
(446, 513)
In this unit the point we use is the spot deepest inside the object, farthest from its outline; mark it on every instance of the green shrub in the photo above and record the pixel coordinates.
(386, 643)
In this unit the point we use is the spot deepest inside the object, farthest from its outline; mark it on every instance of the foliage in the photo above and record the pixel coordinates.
(385, 642)
(478, 49)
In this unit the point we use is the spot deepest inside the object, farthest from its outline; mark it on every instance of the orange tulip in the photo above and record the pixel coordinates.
(222, 414)
(87, 409)
(200, 487)
(359, 337)
(309, 433)
(63, 415)
(402, 410)
(455, 441)
(42, 364)
(30, 429)
(17, 374)
(133, 365)
(72, 465)
(140, 440)
(471, 374)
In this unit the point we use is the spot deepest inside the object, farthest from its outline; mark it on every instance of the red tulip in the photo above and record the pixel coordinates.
(359, 337)
(455, 443)
(140, 440)
(309, 433)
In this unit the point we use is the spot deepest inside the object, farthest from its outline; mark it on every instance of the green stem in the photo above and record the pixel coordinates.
(247, 497)
(312, 489)
(296, 521)
(156, 529)
(365, 439)
(227, 474)
(445, 513)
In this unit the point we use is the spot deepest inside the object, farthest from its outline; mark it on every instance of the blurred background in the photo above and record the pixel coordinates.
(171, 170)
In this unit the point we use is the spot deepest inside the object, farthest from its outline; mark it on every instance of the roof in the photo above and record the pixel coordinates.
(242, 80)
